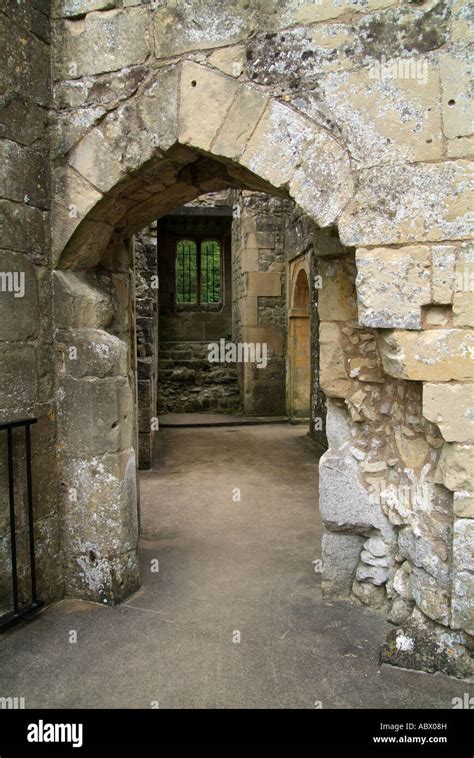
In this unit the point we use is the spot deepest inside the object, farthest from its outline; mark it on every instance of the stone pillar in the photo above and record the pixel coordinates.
(260, 300)
(97, 430)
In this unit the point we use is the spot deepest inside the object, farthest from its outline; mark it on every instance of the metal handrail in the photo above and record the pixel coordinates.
(19, 613)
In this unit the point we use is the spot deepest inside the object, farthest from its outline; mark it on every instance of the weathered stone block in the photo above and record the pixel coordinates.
(181, 28)
(463, 544)
(18, 378)
(340, 553)
(270, 335)
(205, 98)
(334, 379)
(456, 109)
(424, 645)
(249, 311)
(388, 110)
(438, 355)
(392, 285)
(345, 504)
(423, 551)
(71, 8)
(158, 107)
(432, 597)
(338, 426)
(443, 259)
(322, 183)
(19, 310)
(24, 177)
(23, 230)
(104, 579)
(100, 504)
(230, 60)
(402, 581)
(249, 258)
(239, 123)
(463, 575)
(101, 42)
(88, 245)
(287, 148)
(412, 450)
(74, 197)
(262, 284)
(27, 61)
(48, 551)
(409, 203)
(79, 303)
(95, 416)
(370, 594)
(92, 353)
(95, 159)
(462, 603)
(145, 396)
(376, 575)
(451, 407)
(463, 300)
(456, 467)
(337, 295)
(463, 504)
(325, 10)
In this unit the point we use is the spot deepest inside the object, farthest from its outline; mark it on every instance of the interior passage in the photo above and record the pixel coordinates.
(230, 612)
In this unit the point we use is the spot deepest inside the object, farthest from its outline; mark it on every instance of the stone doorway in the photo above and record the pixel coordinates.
(380, 433)
(299, 345)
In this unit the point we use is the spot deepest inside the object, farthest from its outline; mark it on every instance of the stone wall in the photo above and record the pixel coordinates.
(190, 383)
(26, 352)
(260, 307)
(392, 533)
(146, 304)
(153, 107)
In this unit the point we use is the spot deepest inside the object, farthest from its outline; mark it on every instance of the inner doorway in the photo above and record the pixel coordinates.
(299, 340)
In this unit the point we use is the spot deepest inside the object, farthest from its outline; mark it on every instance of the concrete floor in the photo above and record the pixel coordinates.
(223, 566)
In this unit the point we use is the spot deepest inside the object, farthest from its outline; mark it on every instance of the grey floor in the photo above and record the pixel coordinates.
(224, 567)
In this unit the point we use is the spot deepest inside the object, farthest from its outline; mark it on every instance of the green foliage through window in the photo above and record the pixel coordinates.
(198, 271)
(210, 272)
(186, 272)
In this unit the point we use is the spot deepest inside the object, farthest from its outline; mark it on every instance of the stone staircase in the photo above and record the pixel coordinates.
(189, 383)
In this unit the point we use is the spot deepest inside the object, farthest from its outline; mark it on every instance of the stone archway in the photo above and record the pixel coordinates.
(189, 130)
(299, 343)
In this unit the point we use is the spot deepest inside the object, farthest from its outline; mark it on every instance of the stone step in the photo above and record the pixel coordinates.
(197, 367)
(188, 382)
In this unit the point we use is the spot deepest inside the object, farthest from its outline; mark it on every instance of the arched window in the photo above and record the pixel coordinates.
(198, 271)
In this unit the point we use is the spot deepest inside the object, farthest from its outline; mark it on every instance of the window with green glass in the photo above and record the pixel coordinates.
(210, 271)
(186, 271)
(198, 271)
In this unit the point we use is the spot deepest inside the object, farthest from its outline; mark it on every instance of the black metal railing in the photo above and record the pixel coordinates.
(19, 611)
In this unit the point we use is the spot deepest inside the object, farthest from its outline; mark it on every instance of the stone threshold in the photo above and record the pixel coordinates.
(186, 420)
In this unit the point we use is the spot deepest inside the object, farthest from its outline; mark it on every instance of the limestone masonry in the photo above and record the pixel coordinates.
(341, 133)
